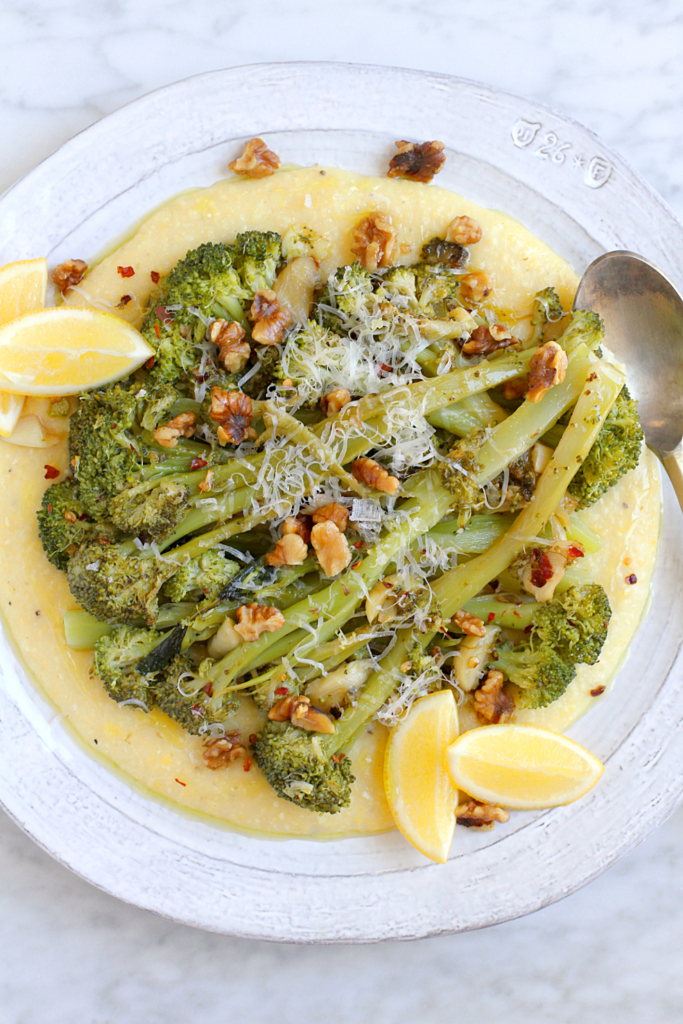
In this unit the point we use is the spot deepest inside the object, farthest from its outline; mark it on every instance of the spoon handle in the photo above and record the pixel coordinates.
(673, 464)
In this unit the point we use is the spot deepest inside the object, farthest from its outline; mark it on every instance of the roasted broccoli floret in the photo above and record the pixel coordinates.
(151, 512)
(584, 328)
(258, 256)
(437, 290)
(313, 359)
(206, 279)
(185, 697)
(116, 657)
(575, 623)
(104, 450)
(63, 522)
(567, 631)
(348, 295)
(203, 576)
(115, 586)
(616, 451)
(547, 308)
(541, 675)
(155, 401)
(400, 287)
(445, 254)
(294, 768)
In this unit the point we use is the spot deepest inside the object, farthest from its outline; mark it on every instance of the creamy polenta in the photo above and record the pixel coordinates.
(150, 749)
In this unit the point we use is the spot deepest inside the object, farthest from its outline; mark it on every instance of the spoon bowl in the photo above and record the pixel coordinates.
(643, 315)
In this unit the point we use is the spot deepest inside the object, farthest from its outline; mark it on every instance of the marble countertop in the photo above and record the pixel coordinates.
(73, 954)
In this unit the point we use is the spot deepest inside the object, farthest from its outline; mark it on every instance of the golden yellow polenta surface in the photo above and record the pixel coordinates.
(151, 750)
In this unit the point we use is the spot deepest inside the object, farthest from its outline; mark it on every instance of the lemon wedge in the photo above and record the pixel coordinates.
(521, 766)
(419, 792)
(67, 349)
(23, 286)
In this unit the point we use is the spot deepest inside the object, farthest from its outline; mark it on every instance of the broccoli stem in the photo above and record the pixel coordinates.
(512, 615)
(468, 415)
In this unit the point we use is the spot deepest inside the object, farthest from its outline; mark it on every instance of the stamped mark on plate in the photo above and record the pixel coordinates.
(548, 146)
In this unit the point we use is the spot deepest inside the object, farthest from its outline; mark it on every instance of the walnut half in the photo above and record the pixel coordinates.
(333, 513)
(271, 319)
(180, 426)
(254, 619)
(371, 473)
(474, 814)
(221, 751)
(257, 161)
(232, 410)
(374, 241)
(331, 547)
(469, 624)
(491, 702)
(547, 368)
(289, 550)
(68, 273)
(417, 161)
(484, 340)
(233, 349)
(301, 713)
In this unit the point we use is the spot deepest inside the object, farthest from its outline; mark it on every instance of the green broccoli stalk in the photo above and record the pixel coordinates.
(616, 450)
(546, 308)
(258, 257)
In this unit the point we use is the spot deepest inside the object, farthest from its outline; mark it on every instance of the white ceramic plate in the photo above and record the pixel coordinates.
(565, 185)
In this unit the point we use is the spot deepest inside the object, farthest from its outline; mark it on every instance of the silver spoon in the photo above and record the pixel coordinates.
(643, 316)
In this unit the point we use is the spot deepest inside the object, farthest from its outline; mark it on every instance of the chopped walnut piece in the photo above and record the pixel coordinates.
(207, 483)
(474, 814)
(331, 547)
(271, 320)
(516, 388)
(371, 473)
(491, 702)
(417, 161)
(232, 410)
(464, 231)
(300, 712)
(257, 161)
(180, 426)
(484, 340)
(233, 350)
(476, 286)
(548, 367)
(254, 619)
(374, 240)
(333, 513)
(289, 550)
(334, 402)
(469, 624)
(69, 273)
(300, 525)
(219, 752)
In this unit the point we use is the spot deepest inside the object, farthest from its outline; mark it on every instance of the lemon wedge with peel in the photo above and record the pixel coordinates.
(67, 349)
(419, 791)
(521, 767)
(23, 286)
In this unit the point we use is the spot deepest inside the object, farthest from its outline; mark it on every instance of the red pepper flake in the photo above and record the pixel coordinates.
(197, 463)
(252, 739)
(164, 315)
(338, 757)
(281, 690)
(575, 552)
(126, 271)
(180, 783)
(491, 616)
(157, 331)
(246, 767)
(358, 544)
(527, 629)
(597, 691)
(387, 585)
(542, 570)
(125, 299)
(387, 368)
(155, 276)
(208, 689)
(82, 518)
(49, 507)
(150, 362)
(355, 566)
(629, 579)
(51, 472)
